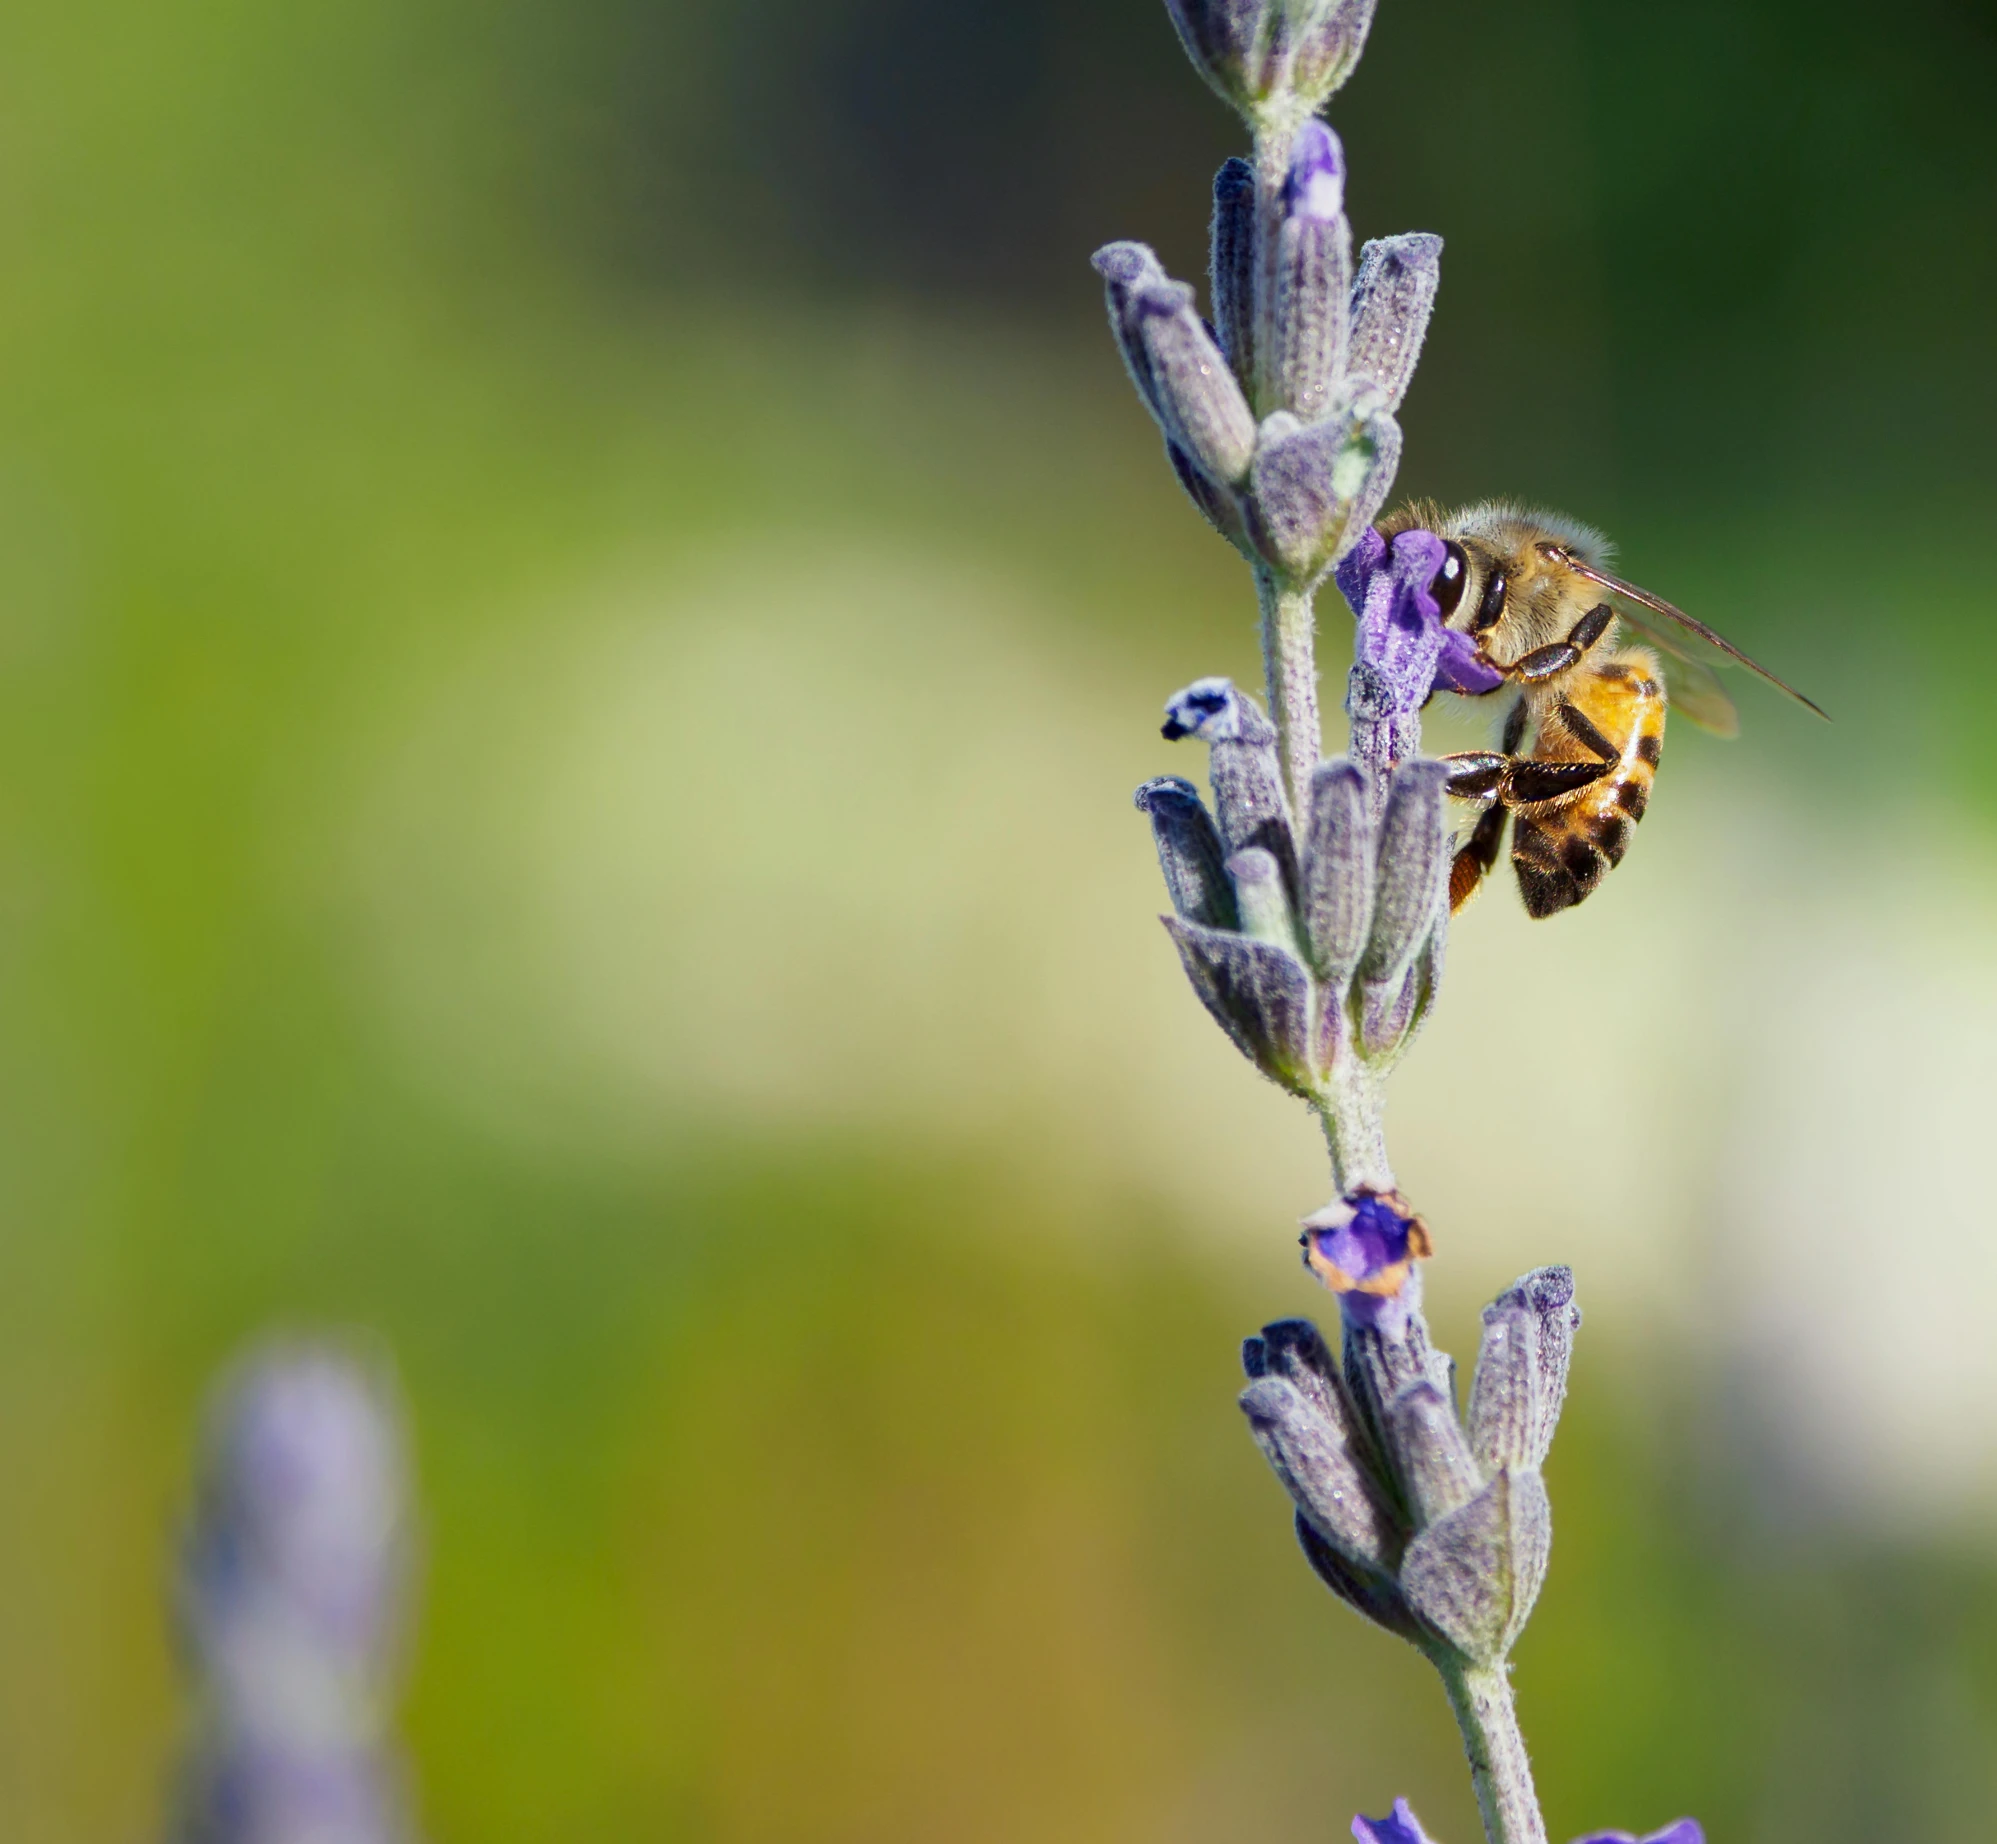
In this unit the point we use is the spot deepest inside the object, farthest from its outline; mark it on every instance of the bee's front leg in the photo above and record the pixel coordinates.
(1550, 662)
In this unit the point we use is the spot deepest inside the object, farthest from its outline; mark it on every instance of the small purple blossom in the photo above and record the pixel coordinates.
(1362, 1248)
(1685, 1831)
(1398, 643)
(1400, 1826)
(1403, 652)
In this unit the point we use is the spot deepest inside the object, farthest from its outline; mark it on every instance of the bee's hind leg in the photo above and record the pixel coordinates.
(1474, 859)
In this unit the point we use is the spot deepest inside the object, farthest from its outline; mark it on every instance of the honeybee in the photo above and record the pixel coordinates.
(1581, 743)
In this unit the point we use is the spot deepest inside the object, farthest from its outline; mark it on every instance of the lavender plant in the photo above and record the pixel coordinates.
(292, 1582)
(1311, 899)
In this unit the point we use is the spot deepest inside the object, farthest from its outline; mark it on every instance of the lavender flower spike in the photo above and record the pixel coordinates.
(291, 1594)
(1400, 1826)
(1685, 1831)
(1310, 897)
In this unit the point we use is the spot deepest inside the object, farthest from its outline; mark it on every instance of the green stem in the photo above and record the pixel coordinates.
(1289, 664)
(1481, 1697)
(1350, 1108)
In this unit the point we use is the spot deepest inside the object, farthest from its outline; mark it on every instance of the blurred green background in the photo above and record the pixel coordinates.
(581, 596)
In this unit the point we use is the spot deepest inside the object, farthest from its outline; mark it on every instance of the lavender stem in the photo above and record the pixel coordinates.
(1354, 1130)
(1481, 1697)
(1289, 663)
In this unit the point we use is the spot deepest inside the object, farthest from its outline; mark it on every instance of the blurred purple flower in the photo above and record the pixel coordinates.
(1400, 1826)
(1685, 1831)
(294, 1580)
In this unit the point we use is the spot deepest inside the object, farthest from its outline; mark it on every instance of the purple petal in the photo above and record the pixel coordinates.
(1400, 1826)
(1459, 668)
(1362, 1239)
(1362, 1247)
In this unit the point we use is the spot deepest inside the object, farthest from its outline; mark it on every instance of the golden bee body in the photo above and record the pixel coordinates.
(1584, 735)
(1562, 848)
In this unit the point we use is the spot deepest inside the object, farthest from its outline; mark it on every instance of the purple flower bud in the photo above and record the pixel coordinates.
(1260, 995)
(1474, 1575)
(1304, 344)
(1431, 1455)
(1232, 274)
(1414, 873)
(1126, 268)
(1315, 184)
(1338, 870)
(1217, 505)
(1521, 1377)
(1189, 852)
(1224, 39)
(1391, 303)
(1180, 373)
(1248, 797)
(1319, 1471)
(1685, 1831)
(1327, 48)
(1316, 487)
(1400, 1826)
(1255, 52)
(1259, 895)
(1197, 400)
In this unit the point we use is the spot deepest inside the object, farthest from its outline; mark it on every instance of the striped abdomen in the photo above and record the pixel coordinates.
(1562, 849)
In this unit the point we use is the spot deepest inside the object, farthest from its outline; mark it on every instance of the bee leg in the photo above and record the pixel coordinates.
(1472, 864)
(1550, 661)
(1530, 781)
(1533, 779)
(1476, 774)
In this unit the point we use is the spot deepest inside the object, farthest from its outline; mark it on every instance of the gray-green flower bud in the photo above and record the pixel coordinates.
(1181, 374)
(1391, 303)
(1268, 55)
(1316, 487)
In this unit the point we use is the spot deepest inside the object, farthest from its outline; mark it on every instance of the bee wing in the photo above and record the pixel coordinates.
(1693, 686)
(1682, 640)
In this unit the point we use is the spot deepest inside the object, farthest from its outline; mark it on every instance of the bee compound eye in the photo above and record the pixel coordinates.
(1493, 604)
(1447, 584)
